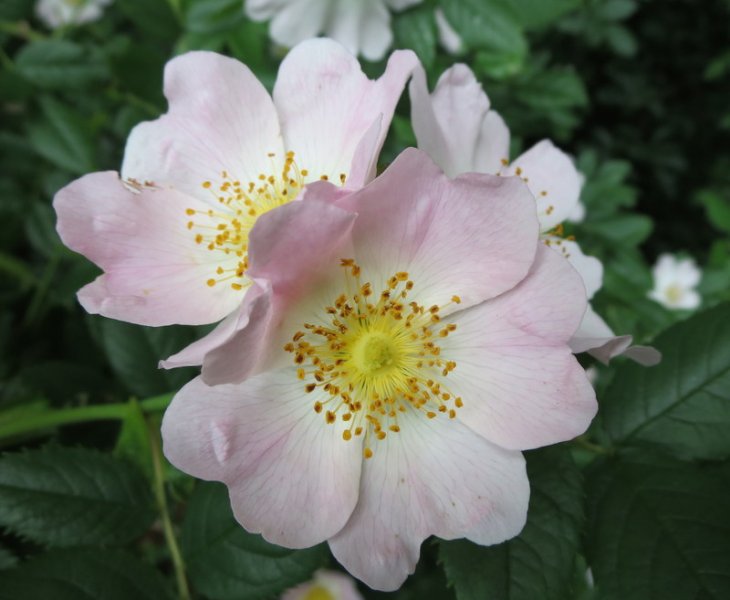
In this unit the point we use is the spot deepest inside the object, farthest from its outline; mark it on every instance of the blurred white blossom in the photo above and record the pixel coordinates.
(362, 26)
(325, 585)
(675, 281)
(57, 13)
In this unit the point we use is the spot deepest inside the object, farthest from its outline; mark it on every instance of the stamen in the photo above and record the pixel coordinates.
(370, 362)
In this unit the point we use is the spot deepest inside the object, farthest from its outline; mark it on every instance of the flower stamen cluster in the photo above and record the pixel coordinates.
(376, 358)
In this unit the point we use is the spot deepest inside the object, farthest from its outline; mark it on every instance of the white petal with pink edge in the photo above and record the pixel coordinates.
(436, 477)
(327, 104)
(521, 386)
(291, 477)
(553, 180)
(155, 273)
(474, 236)
(454, 124)
(220, 119)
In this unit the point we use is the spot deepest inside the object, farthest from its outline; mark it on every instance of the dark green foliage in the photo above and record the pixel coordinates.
(539, 562)
(225, 562)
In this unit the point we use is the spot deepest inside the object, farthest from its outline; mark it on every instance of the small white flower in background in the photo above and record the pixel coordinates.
(362, 26)
(674, 282)
(57, 13)
(325, 585)
(448, 38)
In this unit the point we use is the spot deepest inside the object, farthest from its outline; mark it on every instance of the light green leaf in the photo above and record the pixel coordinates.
(533, 14)
(227, 563)
(683, 404)
(486, 24)
(539, 562)
(416, 29)
(213, 16)
(623, 229)
(658, 529)
(83, 575)
(72, 496)
(60, 64)
(718, 209)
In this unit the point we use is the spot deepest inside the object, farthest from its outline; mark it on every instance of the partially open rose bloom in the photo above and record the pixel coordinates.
(362, 26)
(457, 128)
(325, 585)
(675, 281)
(409, 341)
(58, 13)
(172, 233)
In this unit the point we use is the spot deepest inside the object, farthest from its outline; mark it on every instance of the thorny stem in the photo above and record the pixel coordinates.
(159, 489)
(37, 422)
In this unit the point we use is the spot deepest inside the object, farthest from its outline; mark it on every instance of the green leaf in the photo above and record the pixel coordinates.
(134, 352)
(617, 10)
(155, 19)
(718, 209)
(72, 496)
(625, 229)
(7, 558)
(683, 404)
(416, 29)
(658, 529)
(533, 14)
(539, 562)
(486, 24)
(226, 563)
(554, 89)
(83, 575)
(63, 137)
(213, 16)
(60, 64)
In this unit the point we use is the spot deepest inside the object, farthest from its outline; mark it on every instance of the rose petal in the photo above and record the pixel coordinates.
(327, 105)
(220, 119)
(291, 476)
(155, 272)
(454, 124)
(435, 477)
(521, 386)
(474, 236)
(552, 178)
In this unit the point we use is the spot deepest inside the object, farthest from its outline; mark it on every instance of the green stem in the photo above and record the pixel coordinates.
(21, 29)
(159, 489)
(591, 447)
(38, 422)
(44, 284)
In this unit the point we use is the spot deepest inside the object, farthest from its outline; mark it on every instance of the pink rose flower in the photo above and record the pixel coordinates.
(457, 128)
(407, 342)
(172, 233)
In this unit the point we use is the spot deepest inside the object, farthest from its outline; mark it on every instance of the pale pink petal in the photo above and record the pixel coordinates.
(473, 237)
(338, 585)
(454, 124)
(552, 178)
(327, 105)
(155, 272)
(220, 119)
(299, 20)
(435, 477)
(291, 476)
(291, 249)
(449, 38)
(589, 268)
(595, 337)
(521, 386)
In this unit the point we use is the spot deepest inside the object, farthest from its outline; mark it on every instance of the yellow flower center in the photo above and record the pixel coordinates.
(224, 230)
(674, 293)
(375, 358)
(319, 592)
